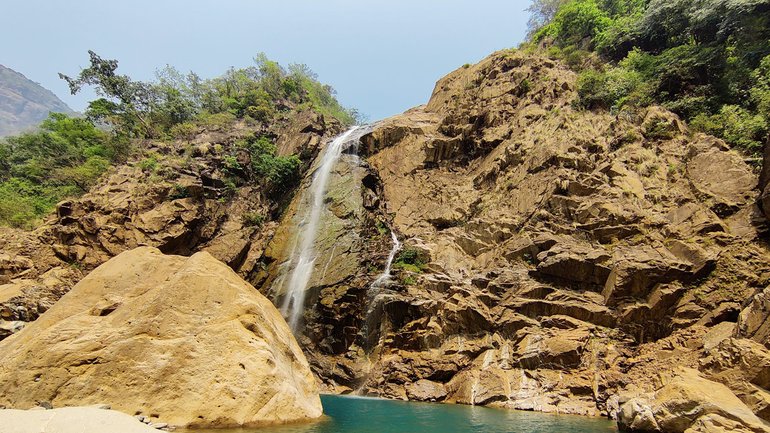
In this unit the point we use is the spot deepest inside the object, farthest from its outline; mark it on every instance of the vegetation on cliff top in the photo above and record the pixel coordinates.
(68, 155)
(706, 60)
(163, 107)
(39, 169)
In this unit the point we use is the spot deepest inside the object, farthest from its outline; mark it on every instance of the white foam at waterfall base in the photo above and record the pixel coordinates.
(294, 301)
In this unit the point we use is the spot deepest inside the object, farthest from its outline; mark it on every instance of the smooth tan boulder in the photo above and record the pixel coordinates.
(182, 340)
(688, 403)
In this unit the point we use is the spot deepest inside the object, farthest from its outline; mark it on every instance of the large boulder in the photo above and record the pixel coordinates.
(689, 403)
(182, 340)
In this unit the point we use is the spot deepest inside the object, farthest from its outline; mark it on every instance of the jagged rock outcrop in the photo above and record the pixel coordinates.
(181, 340)
(754, 320)
(567, 259)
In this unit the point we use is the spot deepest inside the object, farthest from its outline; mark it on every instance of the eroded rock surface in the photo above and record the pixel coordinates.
(689, 403)
(572, 256)
(567, 259)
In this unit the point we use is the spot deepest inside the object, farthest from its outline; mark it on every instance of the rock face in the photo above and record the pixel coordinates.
(568, 256)
(182, 340)
(754, 320)
(24, 103)
(349, 248)
(70, 420)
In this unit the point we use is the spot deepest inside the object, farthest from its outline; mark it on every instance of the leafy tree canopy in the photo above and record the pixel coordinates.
(37, 170)
(707, 60)
(152, 109)
(68, 155)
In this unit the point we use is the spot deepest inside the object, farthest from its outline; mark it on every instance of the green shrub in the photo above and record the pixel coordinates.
(149, 163)
(735, 125)
(575, 22)
(707, 61)
(525, 86)
(216, 121)
(263, 112)
(382, 228)
(611, 89)
(410, 259)
(660, 129)
(184, 131)
(618, 38)
(64, 159)
(231, 165)
(231, 187)
(253, 219)
(179, 192)
(281, 172)
(22, 203)
(760, 90)
(85, 175)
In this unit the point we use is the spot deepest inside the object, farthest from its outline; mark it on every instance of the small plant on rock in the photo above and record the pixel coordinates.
(253, 219)
(178, 192)
(149, 164)
(411, 259)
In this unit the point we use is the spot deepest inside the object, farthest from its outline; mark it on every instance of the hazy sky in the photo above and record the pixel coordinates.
(382, 56)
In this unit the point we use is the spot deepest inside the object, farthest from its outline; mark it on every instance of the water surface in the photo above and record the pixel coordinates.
(369, 415)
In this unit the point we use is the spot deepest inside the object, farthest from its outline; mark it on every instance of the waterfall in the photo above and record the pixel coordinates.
(303, 263)
(385, 275)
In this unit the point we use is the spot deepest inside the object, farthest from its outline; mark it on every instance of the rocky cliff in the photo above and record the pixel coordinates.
(178, 196)
(24, 103)
(567, 259)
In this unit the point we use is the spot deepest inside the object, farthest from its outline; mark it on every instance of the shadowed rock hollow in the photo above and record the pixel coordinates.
(177, 339)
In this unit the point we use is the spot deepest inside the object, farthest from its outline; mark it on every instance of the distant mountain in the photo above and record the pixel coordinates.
(24, 103)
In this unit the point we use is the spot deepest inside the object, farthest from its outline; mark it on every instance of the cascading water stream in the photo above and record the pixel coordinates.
(380, 282)
(385, 275)
(294, 301)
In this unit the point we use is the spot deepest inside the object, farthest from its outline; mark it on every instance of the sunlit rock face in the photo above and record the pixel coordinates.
(552, 259)
(337, 233)
(566, 256)
(182, 340)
